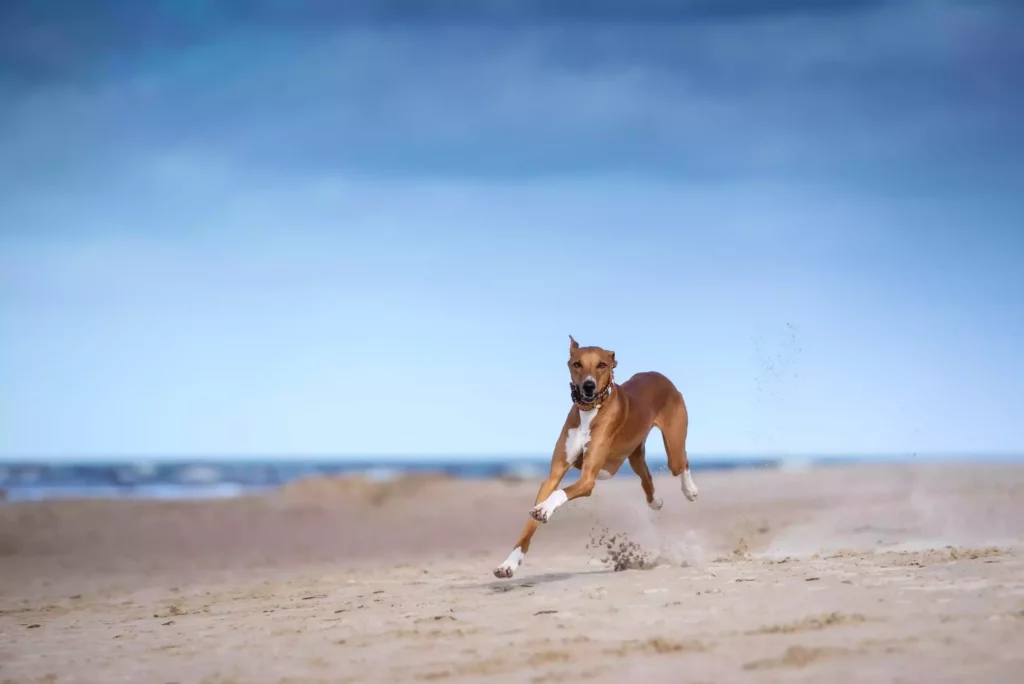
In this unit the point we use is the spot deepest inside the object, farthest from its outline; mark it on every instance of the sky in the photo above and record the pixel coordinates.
(251, 228)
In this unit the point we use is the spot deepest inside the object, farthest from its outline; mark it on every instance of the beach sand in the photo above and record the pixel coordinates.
(865, 573)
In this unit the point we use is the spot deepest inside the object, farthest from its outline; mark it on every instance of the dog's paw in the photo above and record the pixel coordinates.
(540, 513)
(504, 571)
(508, 568)
(656, 504)
(689, 488)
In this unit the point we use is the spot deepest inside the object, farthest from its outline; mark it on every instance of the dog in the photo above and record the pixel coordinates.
(607, 425)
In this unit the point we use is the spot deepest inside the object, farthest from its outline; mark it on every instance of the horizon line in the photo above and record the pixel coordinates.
(399, 456)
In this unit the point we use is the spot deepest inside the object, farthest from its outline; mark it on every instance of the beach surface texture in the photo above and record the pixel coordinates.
(868, 573)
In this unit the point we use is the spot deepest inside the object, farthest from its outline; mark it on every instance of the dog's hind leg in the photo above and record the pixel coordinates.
(638, 462)
(515, 559)
(673, 421)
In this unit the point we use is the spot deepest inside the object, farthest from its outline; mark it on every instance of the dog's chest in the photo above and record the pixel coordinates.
(577, 438)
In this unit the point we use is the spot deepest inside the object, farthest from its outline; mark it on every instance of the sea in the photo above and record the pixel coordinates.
(206, 478)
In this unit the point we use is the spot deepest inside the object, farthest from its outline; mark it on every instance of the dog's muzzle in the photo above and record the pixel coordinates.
(587, 393)
(588, 388)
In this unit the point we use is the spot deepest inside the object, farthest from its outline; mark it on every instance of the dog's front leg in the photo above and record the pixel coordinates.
(515, 559)
(592, 464)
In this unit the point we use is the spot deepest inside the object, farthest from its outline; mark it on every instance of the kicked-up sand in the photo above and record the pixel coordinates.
(846, 573)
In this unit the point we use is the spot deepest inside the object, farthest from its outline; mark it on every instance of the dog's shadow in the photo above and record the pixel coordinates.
(500, 586)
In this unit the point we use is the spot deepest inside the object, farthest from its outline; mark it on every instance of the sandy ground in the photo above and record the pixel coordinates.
(866, 573)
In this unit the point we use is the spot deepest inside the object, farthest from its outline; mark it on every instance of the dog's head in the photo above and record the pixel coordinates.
(590, 369)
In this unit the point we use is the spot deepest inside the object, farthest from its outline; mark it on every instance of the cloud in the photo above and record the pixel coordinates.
(67, 40)
(227, 178)
(877, 93)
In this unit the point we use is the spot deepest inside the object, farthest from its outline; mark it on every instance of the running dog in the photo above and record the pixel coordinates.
(608, 424)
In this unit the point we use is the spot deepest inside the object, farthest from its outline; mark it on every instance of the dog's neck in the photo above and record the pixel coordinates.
(596, 402)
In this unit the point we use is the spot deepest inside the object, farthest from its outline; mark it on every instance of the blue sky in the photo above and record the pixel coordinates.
(259, 228)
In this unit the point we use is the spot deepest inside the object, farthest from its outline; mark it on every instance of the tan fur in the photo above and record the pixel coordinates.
(617, 434)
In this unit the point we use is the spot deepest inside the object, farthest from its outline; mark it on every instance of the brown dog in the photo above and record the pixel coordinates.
(607, 424)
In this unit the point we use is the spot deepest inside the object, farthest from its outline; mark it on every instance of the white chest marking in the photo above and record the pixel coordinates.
(577, 438)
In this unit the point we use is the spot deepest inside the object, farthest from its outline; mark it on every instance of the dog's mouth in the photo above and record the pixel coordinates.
(581, 396)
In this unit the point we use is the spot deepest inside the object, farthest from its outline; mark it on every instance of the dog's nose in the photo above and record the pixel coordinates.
(589, 386)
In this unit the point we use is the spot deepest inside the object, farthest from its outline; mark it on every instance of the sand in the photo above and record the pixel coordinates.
(844, 573)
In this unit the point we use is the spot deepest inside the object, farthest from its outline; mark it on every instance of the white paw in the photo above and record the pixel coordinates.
(689, 488)
(656, 504)
(542, 511)
(508, 568)
(504, 571)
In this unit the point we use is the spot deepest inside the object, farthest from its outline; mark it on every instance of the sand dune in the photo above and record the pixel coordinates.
(867, 573)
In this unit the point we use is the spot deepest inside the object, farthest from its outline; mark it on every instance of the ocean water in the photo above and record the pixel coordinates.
(210, 478)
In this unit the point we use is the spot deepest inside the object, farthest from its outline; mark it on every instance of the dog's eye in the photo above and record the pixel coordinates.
(577, 365)
(602, 365)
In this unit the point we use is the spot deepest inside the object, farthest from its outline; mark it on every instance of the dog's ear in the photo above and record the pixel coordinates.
(573, 344)
(611, 355)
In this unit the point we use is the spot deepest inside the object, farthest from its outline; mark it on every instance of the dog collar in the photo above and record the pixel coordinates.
(598, 400)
